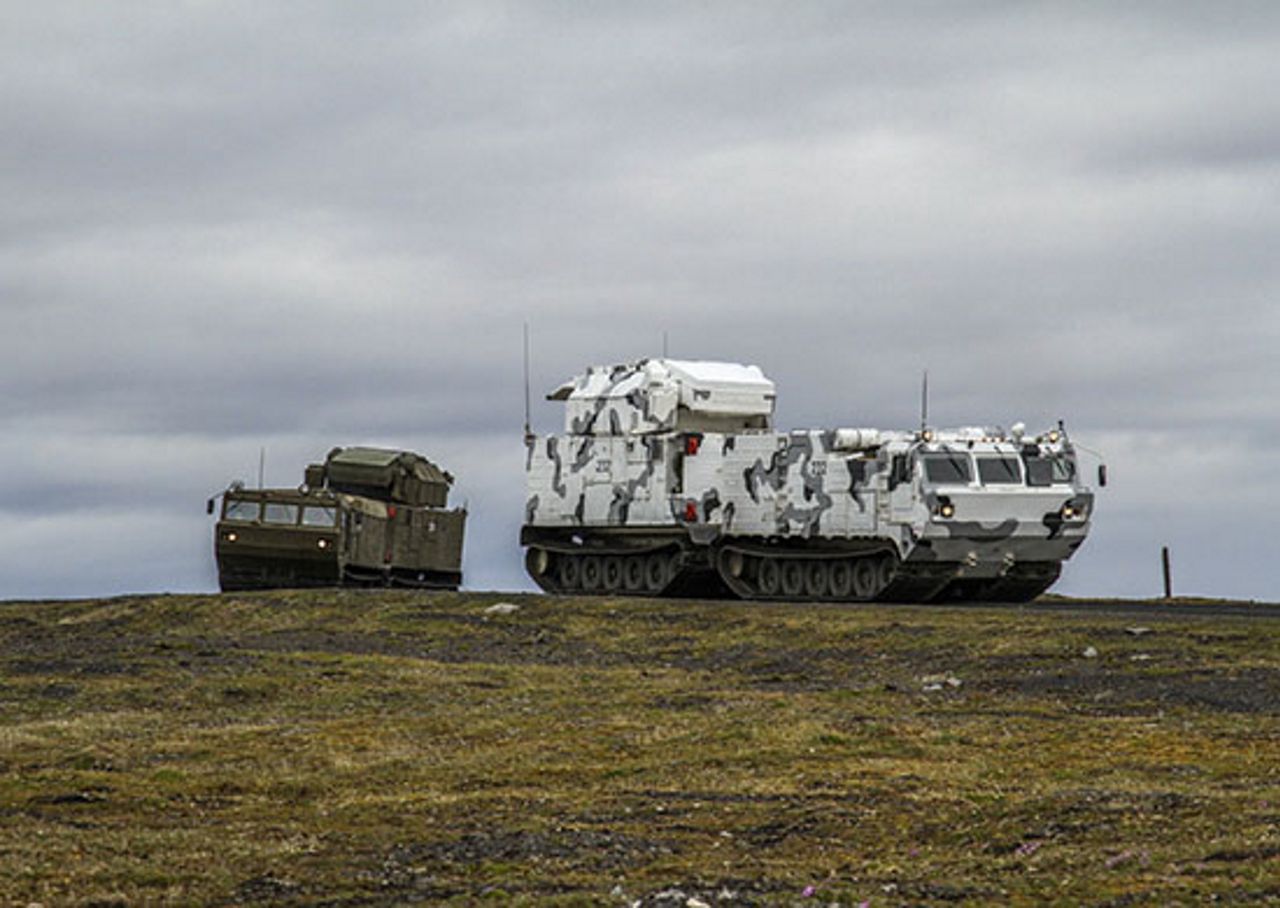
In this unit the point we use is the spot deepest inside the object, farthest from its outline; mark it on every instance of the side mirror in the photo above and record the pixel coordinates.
(1102, 474)
(208, 506)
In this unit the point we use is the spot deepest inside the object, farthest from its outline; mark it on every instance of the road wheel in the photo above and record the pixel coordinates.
(612, 573)
(886, 569)
(817, 579)
(633, 573)
(841, 579)
(592, 573)
(792, 577)
(570, 571)
(770, 579)
(657, 573)
(865, 582)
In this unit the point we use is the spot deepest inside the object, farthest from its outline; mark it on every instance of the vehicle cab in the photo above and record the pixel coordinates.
(277, 537)
(990, 500)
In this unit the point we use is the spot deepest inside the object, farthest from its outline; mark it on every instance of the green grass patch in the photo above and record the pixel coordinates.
(385, 747)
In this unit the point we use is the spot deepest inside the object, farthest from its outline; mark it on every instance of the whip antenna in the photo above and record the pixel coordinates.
(924, 402)
(664, 345)
(528, 431)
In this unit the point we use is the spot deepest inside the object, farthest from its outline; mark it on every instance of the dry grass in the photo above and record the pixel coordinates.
(381, 748)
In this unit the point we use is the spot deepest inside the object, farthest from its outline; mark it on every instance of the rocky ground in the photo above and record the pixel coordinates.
(371, 748)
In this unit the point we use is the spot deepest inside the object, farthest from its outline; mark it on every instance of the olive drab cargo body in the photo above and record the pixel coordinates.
(365, 516)
(670, 479)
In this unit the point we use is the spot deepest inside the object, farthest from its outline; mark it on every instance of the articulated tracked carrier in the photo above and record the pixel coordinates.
(366, 516)
(669, 479)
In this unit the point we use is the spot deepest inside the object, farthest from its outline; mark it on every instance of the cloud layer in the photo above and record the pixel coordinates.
(229, 226)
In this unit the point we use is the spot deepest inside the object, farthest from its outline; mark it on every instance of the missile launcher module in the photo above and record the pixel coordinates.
(364, 517)
(669, 479)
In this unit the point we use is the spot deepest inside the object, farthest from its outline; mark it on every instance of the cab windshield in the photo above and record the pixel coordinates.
(999, 471)
(948, 468)
(280, 513)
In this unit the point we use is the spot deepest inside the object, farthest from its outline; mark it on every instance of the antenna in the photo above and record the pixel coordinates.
(262, 464)
(924, 402)
(664, 345)
(528, 431)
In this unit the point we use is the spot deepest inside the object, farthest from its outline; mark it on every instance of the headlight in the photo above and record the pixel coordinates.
(323, 543)
(946, 510)
(230, 537)
(1072, 512)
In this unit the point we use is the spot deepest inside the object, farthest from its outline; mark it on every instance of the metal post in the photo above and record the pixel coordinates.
(1168, 581)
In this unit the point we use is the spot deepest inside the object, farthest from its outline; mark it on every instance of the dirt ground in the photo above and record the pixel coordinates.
(377, 748)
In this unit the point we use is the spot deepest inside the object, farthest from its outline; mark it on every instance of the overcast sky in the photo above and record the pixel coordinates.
(228, 226)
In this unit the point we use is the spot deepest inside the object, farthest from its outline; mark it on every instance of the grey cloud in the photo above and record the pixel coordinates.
(299, 225)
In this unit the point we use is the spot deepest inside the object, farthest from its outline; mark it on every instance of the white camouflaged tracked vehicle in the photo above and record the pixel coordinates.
(670, 480)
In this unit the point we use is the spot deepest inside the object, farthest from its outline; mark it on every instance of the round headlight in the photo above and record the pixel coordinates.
(231, 537)
(323, 543)
(947, 510)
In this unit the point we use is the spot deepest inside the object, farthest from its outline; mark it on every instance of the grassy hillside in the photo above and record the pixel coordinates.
(363, 748)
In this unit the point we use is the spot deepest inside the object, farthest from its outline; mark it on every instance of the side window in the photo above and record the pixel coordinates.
(319, 517)
(1039, 470)
(948, 468)
(900, 472)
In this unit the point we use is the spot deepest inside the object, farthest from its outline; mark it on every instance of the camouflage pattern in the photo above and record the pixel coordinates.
(366, 516)
(679, 461)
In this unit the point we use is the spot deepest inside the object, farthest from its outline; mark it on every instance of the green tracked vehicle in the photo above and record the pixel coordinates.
(364, 517)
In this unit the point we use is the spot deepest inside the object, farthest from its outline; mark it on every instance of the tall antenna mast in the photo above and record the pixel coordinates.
(528, 431)
(664, 345)
(924, 402)
(262, 464)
